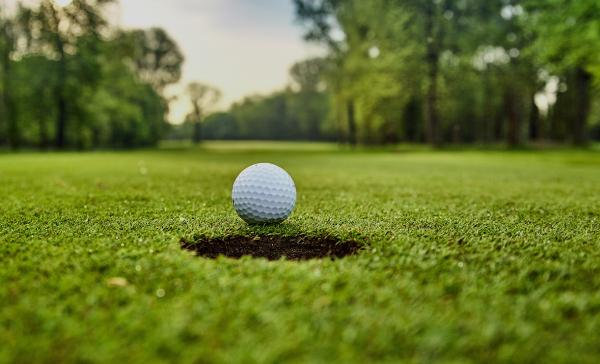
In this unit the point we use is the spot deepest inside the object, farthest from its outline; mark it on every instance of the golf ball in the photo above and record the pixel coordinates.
(264, 193)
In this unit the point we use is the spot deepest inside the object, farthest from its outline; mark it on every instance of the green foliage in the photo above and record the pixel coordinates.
(566, 33)
(471, 257)
(567, 41)
(74, 86)
(442, 71)
(300, 112)
(202, 98)
(154, 55)
(285, 115)
(474, 66)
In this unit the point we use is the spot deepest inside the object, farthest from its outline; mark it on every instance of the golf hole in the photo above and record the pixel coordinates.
(272, 247)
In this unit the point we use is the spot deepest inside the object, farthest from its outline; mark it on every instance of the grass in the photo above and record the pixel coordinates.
(472, 257)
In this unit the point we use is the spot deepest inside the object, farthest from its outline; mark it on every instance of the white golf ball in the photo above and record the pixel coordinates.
(264, 193)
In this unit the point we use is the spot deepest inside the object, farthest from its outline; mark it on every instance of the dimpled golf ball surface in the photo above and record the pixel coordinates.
(264, 193)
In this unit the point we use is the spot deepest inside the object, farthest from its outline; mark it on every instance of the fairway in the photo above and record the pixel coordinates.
(472, 256)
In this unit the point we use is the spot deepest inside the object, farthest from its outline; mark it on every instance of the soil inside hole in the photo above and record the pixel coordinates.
(272, 247)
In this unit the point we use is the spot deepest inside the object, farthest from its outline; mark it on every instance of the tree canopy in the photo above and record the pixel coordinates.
(71, 80)
(437, 71)
(458, 71)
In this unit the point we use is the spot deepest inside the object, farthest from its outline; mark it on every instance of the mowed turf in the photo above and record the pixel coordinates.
(470, 257)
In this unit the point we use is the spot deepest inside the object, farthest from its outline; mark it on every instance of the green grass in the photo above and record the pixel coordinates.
(472, 257)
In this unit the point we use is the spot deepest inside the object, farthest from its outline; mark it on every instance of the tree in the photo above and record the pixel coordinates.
(66, 76)
(8, 29)
(309, 107)
(202, 98)
(509, 73)
(34, 98)
(322, 20)
(55, 30)
(324, 16)
(387, 56)
(568, 42)
(446, 28)
(155, 56)
(364, 62)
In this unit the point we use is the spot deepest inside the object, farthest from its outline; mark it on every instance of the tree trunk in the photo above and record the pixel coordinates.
(535, 131)
(510, 107)
(197, 137)
(432, 107)
(498, 127)
(340, 120)
(43, 144)
(583, 81)
(62, 117)
(350, 114)
(4, 112)
(486, 129)
(14, 132)
(8, 114)
(3, 119)
(456, 135)
(314, 126)
(412, 119)
(432, 57)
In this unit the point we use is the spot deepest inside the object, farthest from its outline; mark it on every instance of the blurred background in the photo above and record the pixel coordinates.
(96, 74)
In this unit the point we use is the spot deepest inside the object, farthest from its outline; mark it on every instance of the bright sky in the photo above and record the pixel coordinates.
(240, 46)
(243, 47)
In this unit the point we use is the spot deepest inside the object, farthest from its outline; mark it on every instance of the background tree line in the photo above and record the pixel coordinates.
(69, 79)
(435, 71)
(460, 70)
(302, 111)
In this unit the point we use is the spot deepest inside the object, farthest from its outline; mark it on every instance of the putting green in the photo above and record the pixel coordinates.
(469, 256)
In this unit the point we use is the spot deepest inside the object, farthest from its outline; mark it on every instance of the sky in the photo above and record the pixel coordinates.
(242, 47)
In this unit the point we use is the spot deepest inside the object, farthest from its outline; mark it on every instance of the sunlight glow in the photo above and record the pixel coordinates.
(63, 3)
(374, 52)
